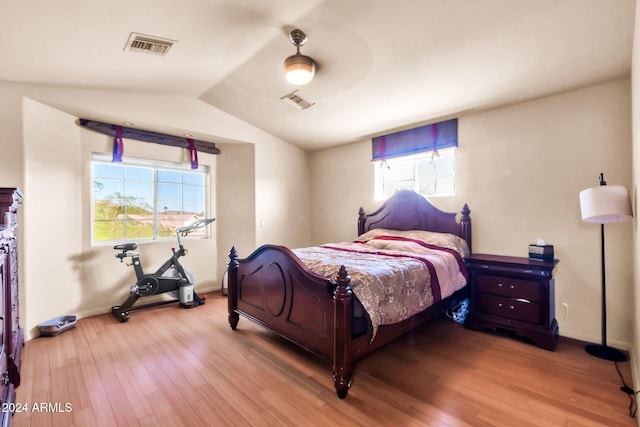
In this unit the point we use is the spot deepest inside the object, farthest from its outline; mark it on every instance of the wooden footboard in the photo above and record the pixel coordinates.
(274, 289)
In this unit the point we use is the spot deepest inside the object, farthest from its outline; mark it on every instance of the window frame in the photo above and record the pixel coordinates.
(155, 165)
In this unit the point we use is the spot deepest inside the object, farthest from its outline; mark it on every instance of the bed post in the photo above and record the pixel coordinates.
(465, 224)
(362, 218)
(342, 338)
(232, 288)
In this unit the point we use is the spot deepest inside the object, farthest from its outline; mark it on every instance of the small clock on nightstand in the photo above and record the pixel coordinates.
(515, 294)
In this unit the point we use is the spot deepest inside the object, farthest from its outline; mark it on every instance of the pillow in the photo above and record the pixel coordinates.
(444, 240)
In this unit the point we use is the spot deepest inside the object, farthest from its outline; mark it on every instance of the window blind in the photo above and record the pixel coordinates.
(433, 137)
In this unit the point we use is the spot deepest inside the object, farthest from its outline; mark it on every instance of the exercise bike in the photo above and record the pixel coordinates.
(170, 277)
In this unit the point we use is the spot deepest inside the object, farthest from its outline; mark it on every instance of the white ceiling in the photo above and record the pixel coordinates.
(382, 64)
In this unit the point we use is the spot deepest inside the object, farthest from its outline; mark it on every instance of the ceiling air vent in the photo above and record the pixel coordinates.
(296, 102)
(148, 44)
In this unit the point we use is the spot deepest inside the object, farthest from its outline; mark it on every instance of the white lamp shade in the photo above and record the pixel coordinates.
(299, 69)
(605, 204)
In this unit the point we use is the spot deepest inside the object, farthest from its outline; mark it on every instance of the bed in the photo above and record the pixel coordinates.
(327, 314)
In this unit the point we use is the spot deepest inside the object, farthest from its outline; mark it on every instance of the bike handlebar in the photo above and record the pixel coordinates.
(198, 224)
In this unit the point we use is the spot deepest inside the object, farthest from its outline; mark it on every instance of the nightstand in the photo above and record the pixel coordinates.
(514, 294)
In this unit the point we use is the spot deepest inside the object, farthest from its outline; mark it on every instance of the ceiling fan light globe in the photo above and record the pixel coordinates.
(299, 69)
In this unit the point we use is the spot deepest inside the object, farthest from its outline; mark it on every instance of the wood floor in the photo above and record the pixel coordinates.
(176, 367)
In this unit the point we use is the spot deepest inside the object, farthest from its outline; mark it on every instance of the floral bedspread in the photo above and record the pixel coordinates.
(393, 278)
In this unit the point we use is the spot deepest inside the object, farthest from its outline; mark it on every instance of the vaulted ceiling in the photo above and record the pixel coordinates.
(382, 65)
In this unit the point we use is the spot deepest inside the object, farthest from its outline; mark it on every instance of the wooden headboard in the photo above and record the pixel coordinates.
(408, 210)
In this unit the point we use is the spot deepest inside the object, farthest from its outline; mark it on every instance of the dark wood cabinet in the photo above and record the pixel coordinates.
(12, 337)
(515, 294)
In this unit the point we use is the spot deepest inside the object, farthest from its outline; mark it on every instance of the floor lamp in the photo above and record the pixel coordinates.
(605, 204)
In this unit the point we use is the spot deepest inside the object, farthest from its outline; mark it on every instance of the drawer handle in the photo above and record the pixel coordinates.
(511, 307)
(500, 285)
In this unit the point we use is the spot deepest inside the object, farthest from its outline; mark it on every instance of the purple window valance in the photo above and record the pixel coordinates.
(119, 132)
(433, 137)
(118, 145)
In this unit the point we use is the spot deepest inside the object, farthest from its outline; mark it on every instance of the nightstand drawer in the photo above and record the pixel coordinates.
(511, 308)
(509, 287)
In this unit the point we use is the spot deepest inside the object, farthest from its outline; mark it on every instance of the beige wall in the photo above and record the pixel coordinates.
(236, 201)
(635, 93)
(53, 209)
(11, 172)
(342, 182)
(520, 169)
(49, 154)
(283, 196)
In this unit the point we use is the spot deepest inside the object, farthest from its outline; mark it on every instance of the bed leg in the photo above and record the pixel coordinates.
(232, 291)
(342, 364)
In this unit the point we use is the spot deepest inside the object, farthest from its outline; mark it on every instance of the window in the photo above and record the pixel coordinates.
(420, 159)
(145, 199)
(425, 173)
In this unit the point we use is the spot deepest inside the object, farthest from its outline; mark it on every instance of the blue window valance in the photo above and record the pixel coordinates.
(433, 137)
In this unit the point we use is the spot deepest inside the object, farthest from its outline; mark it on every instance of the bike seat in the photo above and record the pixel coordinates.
(126, 247)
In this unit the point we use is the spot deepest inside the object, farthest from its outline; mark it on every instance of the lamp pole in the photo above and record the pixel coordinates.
(604, 288)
